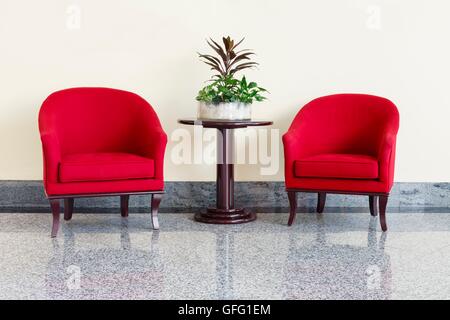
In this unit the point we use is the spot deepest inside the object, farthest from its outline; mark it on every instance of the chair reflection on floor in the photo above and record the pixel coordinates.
(336, 269)
(104, 272)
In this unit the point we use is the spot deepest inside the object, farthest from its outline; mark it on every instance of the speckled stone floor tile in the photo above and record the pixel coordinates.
(328, 256)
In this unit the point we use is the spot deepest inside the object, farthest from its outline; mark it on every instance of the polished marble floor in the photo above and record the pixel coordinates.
(329, 256)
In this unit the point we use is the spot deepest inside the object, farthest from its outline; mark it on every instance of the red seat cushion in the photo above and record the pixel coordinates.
(341, 166)
(105, 167)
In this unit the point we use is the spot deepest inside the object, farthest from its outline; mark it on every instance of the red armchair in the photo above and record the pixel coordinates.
(343, 144)
(100, 142)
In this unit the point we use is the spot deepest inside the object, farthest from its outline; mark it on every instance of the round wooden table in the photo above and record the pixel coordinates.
(225, 212)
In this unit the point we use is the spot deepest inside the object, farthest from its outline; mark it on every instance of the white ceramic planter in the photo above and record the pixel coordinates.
(225, 111)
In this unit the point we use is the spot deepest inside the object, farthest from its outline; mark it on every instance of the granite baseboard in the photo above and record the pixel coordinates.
(28, 196)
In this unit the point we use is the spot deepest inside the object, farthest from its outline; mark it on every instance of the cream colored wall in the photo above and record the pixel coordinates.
(399, 49)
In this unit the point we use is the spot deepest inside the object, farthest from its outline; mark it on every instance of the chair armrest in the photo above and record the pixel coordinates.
(386, 157)
(293, 148)
(51, 156)
(155, 148)
(291, 139)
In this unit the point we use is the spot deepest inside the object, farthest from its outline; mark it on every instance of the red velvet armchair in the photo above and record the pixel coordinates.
(100, 142)
(342, 144)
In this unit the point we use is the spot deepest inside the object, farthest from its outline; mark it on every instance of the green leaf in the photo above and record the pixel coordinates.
(244, 82)
(252, 85)
(229, 89)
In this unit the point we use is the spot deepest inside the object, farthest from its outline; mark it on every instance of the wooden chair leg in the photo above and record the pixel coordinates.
(124, 200)
(321, 197)
(156, 200)
(68, 208)
(54, 204)
(292, 195)
(382, 207)
(373, 205)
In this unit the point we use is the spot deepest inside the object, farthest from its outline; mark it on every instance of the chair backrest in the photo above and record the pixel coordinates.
(346, 123)
(88, 120)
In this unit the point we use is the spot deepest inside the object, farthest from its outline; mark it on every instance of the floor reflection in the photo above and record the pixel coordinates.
(109, 267)
(329, 256)
(334, 266)
(219, 264)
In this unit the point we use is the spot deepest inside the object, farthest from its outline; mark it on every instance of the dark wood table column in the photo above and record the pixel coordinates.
(225, 211)
(225, 169)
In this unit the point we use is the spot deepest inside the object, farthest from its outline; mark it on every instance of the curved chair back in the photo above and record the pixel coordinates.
(346, 123)
(88, 120)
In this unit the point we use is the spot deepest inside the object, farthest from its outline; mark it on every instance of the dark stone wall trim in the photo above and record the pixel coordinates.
(185, 196)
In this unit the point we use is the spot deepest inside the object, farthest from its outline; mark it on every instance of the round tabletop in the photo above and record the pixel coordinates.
(224, 124)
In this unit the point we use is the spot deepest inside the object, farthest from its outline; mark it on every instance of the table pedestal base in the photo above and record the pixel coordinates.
(224, 216)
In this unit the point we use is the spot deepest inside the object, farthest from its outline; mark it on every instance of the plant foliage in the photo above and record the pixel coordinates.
(226, 88)
(229, 61)
(229, 89)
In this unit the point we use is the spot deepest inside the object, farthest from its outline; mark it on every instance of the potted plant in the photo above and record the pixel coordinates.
(226, 97)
